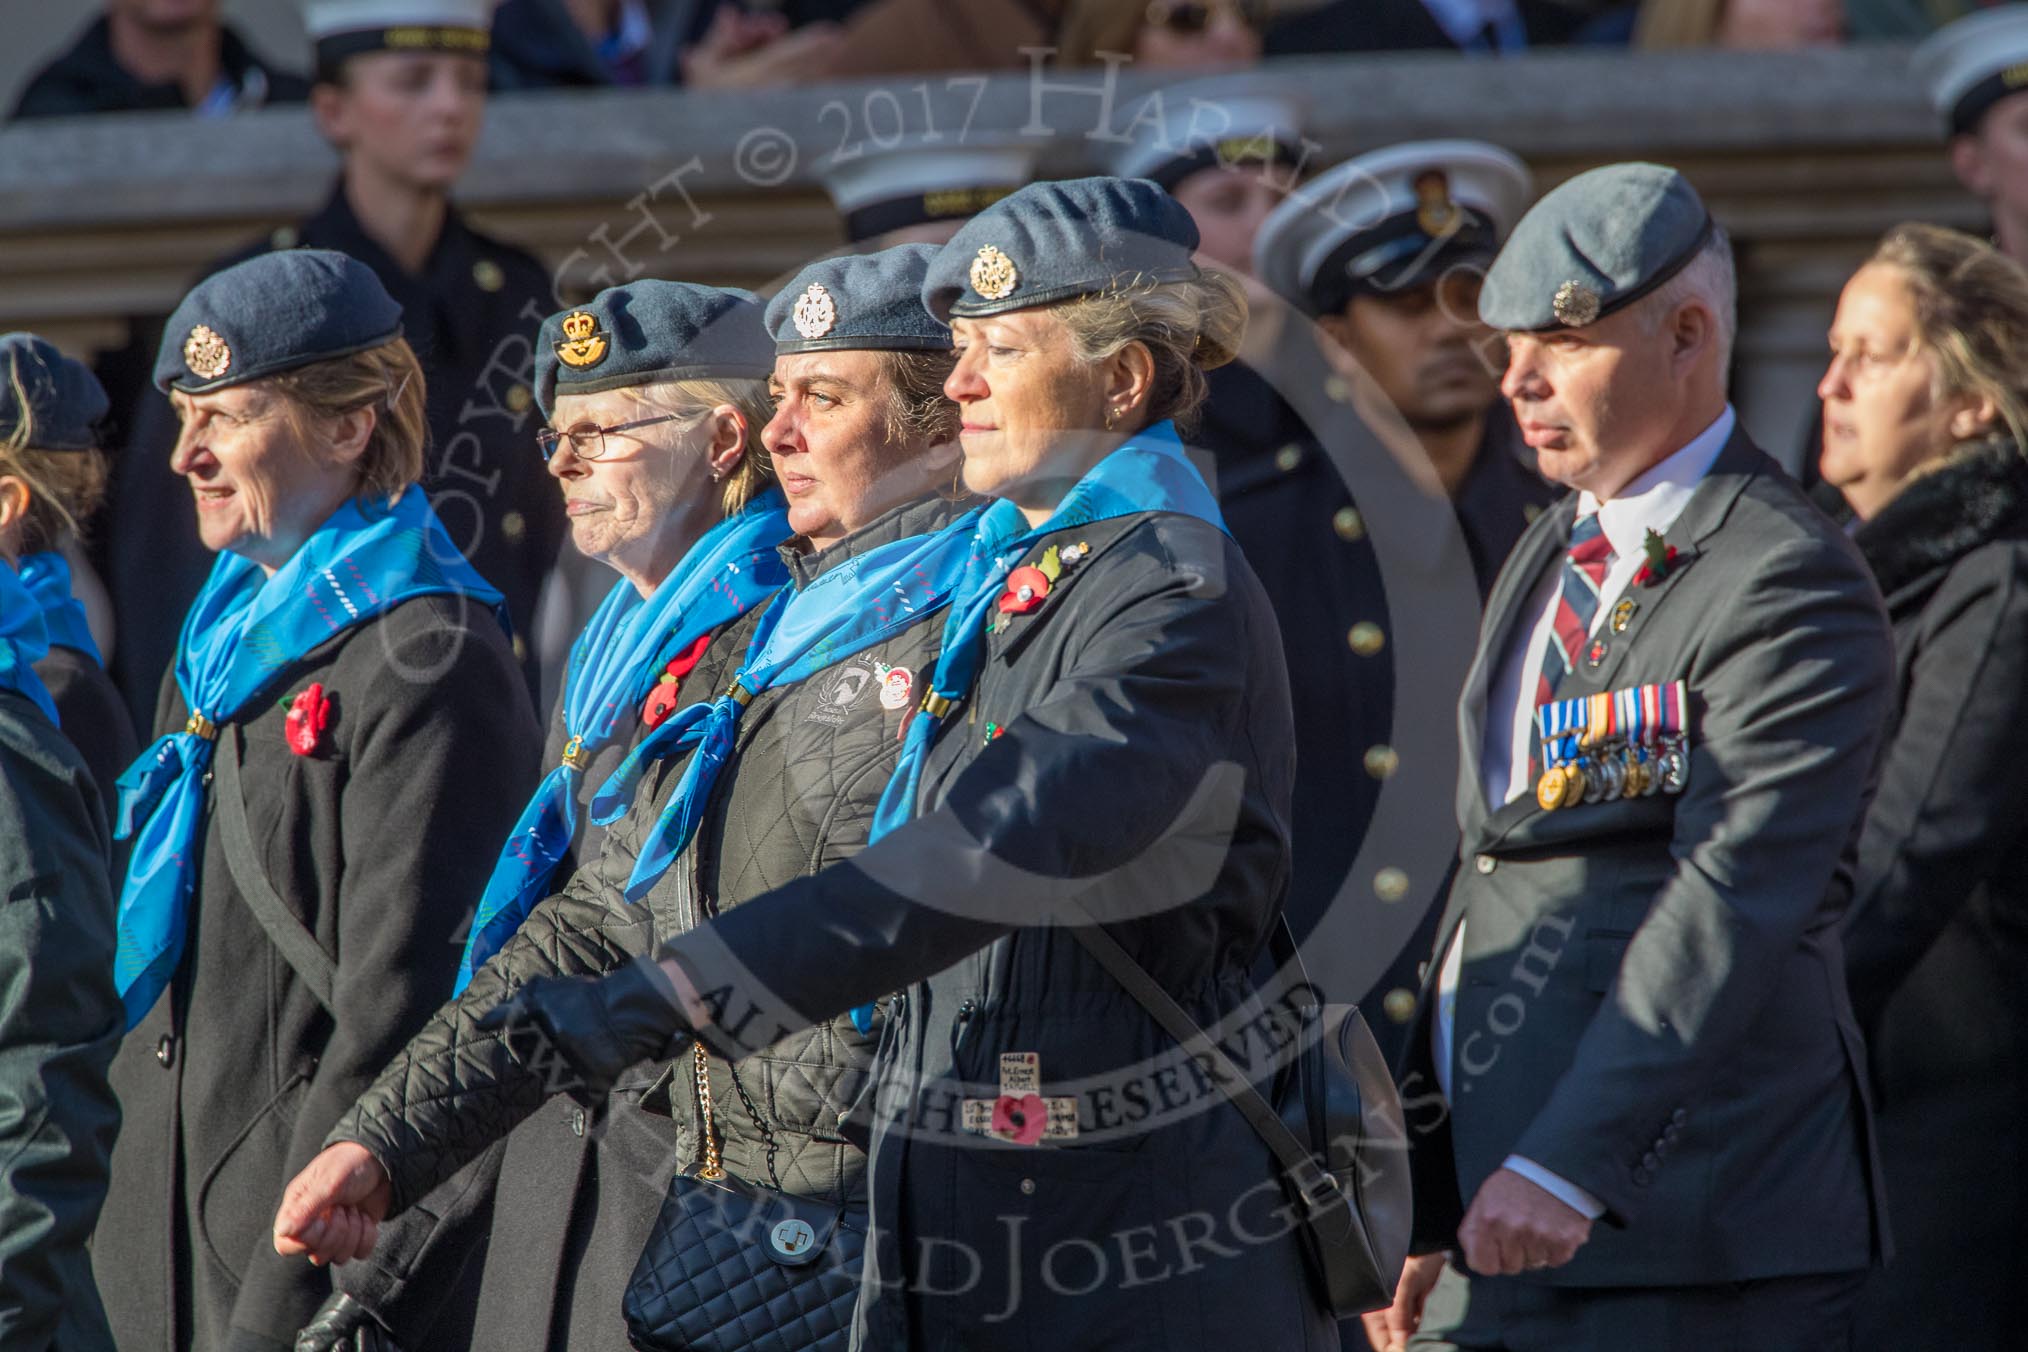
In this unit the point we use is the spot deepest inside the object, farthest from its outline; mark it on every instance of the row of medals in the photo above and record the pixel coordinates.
(1609, 772)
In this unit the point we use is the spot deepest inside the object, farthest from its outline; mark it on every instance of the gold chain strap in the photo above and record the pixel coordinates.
(712, 1168)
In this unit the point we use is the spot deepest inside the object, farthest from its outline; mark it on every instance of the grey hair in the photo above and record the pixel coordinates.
(693, 398)
(1711, 278)
(1189, 327)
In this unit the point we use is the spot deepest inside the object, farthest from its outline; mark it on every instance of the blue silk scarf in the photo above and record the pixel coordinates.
(244, 628)
(24, 639)
(1148, 474)
(860, 603)
(47, 577)
(612, 667)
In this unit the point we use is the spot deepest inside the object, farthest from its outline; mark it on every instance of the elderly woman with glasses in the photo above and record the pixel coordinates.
(1104, 740)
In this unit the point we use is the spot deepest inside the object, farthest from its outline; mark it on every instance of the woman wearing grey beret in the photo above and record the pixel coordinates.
(344, 715)
(1105, 736)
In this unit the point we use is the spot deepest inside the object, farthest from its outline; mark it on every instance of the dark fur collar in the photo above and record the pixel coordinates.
(1978, 494)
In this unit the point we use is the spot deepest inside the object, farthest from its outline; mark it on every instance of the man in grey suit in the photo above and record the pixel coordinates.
(1634, 1081)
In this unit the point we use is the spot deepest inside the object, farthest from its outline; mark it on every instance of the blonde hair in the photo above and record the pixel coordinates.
(387, 379)
(917, 407)
(64, 487)
(1971, 315)
(690, 398)
(1189, 327)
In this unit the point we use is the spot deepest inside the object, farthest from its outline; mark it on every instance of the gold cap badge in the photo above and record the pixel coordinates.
(206, 354)
(581, 344)
(815, 312)
(993, 275)
(1575, 304)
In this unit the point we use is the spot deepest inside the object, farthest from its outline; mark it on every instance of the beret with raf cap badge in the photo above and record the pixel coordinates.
(1057, 241)
(859, 301)
(47, 400)
(648, 332)
(1594, 245)
(273, 313)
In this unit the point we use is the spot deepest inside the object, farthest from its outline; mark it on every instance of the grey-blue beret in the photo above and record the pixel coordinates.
(858, 301)
(54, 398)
(273, 313)
(1595, 244)
(1056, 241)
(647, 332)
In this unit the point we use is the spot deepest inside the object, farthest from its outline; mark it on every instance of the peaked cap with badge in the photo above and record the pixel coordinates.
(1212, 125)
(1594, 245)
(859, 301)
(341, 29)
(920, 181)
(648, 332)
(1057, 241)
(56, 399)
(1396, 218)
(1968, 66)
(273, 313)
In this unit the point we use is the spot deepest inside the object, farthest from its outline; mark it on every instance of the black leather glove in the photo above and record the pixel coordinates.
(582, 1033)
(342, 1324)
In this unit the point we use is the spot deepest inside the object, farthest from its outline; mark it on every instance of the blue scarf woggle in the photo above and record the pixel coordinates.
(244, 629)
(614, 662)
(860, 603)
(24, 640)
(47, 577)
(1148, 474)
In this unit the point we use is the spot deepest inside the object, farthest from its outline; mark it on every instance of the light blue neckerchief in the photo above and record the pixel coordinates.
(243, 629)
(861, 602)
(47, 577)
(1148, 474)
(613, 665)
(24, 640)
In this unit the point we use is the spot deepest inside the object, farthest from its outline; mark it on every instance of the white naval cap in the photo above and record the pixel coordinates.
(925, 177)
(1970, 65)
(1211, 124)
(339, 29)
(1390, 219)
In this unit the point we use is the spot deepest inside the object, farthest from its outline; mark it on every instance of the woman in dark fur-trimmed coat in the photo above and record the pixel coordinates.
(1923, 415)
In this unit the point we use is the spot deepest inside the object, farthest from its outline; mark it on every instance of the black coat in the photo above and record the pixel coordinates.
(380, 842)
(1140, 743)
(471, 317)
(60, 1020)
(1937, 939)
(86, 79)
(93, 715)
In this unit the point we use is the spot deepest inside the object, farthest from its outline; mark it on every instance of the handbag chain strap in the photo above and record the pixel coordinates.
(712, 1167)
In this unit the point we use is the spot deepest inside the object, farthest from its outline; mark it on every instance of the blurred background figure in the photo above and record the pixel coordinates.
(1165, 34)
(1976, 72)
(706, 44)
(157, 54)
(404, 123)
(1738, 25)
(1925, 410)
(52, 474)
(1385, 254)
(921, 190)
(1485, 26)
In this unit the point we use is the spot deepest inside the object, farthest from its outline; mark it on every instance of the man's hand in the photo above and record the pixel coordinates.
(1514, 1226)
(331, 1212)
(1389, 1329)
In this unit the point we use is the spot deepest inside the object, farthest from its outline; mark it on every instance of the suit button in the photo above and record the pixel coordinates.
(577, 1121)
(1381, 761)
(1349, 524)
(1651, 1161)
(1399, 1004)
(165, 1051)
(1390, 884)
(1366, 638)
(1485, 863)
(1642, 1178)
(1288, 457)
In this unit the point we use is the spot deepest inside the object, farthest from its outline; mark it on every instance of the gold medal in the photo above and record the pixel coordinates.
(1637, 777)
(1574, 787)
(1549, 789)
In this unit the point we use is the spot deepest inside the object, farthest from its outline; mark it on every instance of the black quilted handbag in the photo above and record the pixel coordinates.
(731, 1266)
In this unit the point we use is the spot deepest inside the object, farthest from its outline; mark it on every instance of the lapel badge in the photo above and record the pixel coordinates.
(1435, 212)
(897, 685)
(206, 354)
(582, 344)
(309, 714)
(1021, 1114)
(1596, 653)
(993, 274)
(1623, 614)
(1575, 304)
(815, 313)
(1661, 560)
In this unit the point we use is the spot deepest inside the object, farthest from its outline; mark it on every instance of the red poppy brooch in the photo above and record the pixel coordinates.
(309, 714)
(1660, 562)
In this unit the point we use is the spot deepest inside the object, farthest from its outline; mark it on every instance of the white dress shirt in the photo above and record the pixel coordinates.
(1651, 502)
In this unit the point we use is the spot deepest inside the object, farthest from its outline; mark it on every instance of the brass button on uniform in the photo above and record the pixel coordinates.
(1530, 511)
(1349, 524)
(1339, 389)
(1288, 457)
(165, 1051)
(520, 648)
(1027, 1187)
(1366, 638)
(1390, 884)
(488, 275)
(1381, 761)
(1399, 1004)
(284, 237)
(518, 399)
(513, 525)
